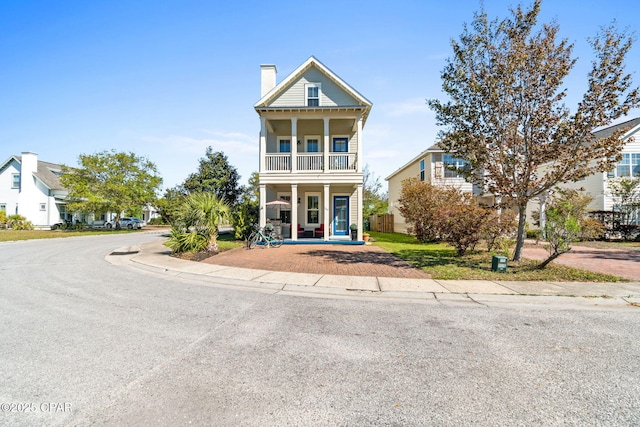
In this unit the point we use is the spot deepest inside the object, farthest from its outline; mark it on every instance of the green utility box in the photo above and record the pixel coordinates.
(499, 264)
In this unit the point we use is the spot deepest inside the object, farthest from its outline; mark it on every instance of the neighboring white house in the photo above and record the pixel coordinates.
(311, 145)
(31, 188)
(433, 166)
(596, 185)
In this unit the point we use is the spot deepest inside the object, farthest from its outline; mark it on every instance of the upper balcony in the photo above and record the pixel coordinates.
(311, 162)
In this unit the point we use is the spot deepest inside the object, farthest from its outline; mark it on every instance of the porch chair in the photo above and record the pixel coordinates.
(319, 232)
(300, 231)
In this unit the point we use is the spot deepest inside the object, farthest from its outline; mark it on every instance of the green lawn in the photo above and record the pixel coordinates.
(13, 235)
(440, 261)
(228, 241)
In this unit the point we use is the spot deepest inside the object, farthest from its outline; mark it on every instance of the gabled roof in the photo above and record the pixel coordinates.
(47, 172)
(630, 125)
(314, 62)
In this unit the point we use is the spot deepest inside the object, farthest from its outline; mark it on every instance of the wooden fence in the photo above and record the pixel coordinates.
(381, 223)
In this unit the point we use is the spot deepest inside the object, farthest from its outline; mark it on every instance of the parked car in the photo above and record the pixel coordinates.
(137, 223)
(126, 222)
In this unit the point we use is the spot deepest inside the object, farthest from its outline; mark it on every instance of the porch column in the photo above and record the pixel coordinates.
(325, 207)
(263, 143)
(263, 208)
(326, 145)
(294, 211)
(543, 214)
(360, 210)
(294, 144)
(359, 159)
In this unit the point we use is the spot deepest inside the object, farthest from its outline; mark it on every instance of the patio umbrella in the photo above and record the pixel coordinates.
(276, 203)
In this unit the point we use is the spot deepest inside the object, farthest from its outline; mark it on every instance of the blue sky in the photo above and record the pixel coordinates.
(166, 79)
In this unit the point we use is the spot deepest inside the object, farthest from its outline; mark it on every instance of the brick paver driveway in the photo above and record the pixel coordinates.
(348, 260)
(621, 263)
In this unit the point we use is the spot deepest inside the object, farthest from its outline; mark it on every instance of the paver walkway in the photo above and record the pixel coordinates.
(621, 263)
(346, 260)
(350, 260)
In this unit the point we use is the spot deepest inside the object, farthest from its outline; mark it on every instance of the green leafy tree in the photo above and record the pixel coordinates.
(169, 205)
(246, 213)
(565, 217)
(506, 115)
(215, 175)
(375, 201)
(197, 227)
(110, 181)
(626, 192)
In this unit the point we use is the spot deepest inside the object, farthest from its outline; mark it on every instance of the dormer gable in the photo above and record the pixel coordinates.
(313, 86)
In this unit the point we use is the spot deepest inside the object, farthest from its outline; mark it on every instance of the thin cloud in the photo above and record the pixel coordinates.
(407, 107)
(227, 142)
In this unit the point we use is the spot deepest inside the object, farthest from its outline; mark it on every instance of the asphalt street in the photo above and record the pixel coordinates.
(86, 342)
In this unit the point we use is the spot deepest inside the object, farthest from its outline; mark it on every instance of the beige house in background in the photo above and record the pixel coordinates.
(311, 145)
(429, 166)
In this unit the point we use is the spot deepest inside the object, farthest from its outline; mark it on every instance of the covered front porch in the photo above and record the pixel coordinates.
(313, 212)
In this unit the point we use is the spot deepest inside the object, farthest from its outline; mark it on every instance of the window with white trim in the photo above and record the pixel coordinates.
(313, 144)
(3, 207)
(15, 180)
(452, 165)
(312, 94)
(313, 208)
(629, 165)
(422, 170)
(284, 145)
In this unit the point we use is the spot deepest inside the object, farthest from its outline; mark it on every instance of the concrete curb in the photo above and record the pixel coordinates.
(154, 258)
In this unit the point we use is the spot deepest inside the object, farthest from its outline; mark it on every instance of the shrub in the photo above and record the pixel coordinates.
(498, 225)
(564, 217)
(3, 217)
(461, 222)
(156, 221)
(419, 203)
(195, 239)
(243, 218)
(591, 229)
(18, 222)
(197, 228)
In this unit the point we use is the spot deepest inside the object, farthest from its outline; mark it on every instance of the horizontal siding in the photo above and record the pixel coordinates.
(332, 95)
(395, 188)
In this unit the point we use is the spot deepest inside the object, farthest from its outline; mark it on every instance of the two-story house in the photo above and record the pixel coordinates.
(597, 184)
(31, 188)
(433, 166)
(311, 139)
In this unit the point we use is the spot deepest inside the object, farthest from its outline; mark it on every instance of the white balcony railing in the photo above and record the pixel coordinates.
(342, 162)
(311, 162)
(278, 162)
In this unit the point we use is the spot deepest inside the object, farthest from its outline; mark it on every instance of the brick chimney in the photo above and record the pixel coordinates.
(267, 78)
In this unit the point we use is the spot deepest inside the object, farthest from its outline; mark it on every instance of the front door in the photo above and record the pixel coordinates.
(341, 215)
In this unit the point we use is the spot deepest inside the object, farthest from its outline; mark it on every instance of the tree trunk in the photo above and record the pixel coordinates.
(522, 220)
(551, 258)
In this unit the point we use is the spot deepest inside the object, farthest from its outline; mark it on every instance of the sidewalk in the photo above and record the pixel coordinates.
(154, 257)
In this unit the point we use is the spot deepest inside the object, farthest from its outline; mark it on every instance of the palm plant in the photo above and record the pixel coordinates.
(197, 227)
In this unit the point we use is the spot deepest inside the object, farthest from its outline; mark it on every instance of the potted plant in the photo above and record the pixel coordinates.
(354, 231)
(365, 236)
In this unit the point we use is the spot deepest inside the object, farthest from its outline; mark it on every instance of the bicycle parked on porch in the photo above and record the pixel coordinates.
(264, 237)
